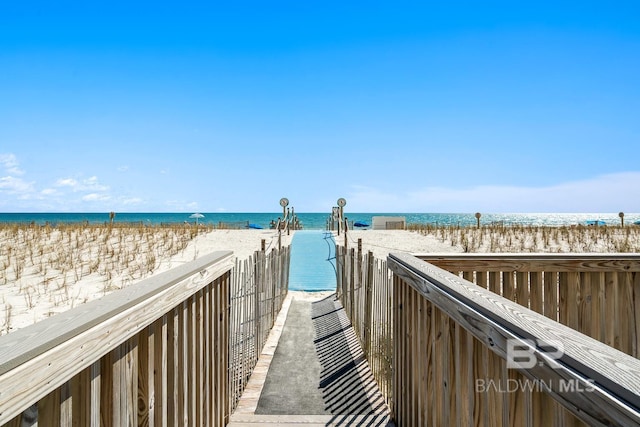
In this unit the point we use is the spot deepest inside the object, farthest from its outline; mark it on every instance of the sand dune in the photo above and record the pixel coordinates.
(44, 271)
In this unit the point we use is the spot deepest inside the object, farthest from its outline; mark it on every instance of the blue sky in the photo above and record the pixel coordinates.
(395, 106)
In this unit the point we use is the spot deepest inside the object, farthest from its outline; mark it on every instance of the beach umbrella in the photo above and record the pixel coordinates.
(255, 226)
(196, 216)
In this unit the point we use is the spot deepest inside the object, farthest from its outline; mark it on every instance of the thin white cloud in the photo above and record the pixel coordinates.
(604, 193)
(181, 205)
(132, 201)
(10, 164)
(66, 182)
(90, 184)
(123, 168)
(12, 185)
(95, 197)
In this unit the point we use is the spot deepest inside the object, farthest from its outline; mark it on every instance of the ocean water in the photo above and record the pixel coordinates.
(318, 221)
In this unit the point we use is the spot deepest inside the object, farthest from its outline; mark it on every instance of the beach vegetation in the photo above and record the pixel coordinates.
(58, 258)
(500, 238)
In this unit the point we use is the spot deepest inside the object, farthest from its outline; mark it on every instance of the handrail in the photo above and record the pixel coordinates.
(612, 377)
(27, 343)
(38, 359)
(534, 261)
(593, 293)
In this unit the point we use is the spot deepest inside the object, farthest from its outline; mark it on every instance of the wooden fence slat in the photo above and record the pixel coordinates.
(66, 408)
(130, 382)
(49, 408)
(626, 311)
(423, 365)
(551, 295)
(585, 304)
(162, 362)
(145, 377)
(635, 309)
(467, 305)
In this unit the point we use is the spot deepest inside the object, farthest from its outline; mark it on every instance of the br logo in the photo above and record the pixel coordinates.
(521, 352)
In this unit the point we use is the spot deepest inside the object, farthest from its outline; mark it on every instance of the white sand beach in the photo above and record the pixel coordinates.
(47, 271)
(498, 239)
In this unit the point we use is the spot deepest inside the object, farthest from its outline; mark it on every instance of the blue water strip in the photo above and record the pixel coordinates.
(312, 261)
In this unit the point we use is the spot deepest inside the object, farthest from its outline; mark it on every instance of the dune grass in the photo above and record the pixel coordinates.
(499, 238)
(55, 259)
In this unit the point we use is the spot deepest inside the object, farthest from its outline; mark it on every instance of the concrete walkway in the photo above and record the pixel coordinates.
(317, 374)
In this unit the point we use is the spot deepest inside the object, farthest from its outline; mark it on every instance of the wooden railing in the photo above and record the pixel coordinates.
(449, 336)
(596, 294)
(455, 361)
(163, 352)
(364, 288)
(260, 285)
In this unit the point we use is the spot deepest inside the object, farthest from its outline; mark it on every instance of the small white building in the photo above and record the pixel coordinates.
(388, 223)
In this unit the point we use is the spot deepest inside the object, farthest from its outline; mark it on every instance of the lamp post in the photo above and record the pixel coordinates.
(342, 202)
(284, 202)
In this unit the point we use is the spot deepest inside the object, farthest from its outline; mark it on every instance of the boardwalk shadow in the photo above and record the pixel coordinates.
(347, 385)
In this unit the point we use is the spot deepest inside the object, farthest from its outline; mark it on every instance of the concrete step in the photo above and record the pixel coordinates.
(252, 420)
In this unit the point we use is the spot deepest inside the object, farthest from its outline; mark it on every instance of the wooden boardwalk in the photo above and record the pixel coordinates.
(340, 389)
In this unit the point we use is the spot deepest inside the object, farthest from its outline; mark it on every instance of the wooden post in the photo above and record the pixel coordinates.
(478, 215)
(279, 239)
(345, 232)
(621, 215)
(359, 257)
(367, 305)
(351, 281)
(262, 245)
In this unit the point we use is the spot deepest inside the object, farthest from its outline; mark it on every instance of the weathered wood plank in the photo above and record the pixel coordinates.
(107, 410)
(183, 364)
(626, 312)
(536, 290)
(173, 330)
(96, 379)
(423, 365)
(81, 397)
(145, 376)
(160, 356)
(583, 357)
(535, 262)
(26, 343)
(49, 408)
(463, 353)
(635, 343)
(66, 414)
(551, 295)
(199, 351)
(37, 376)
